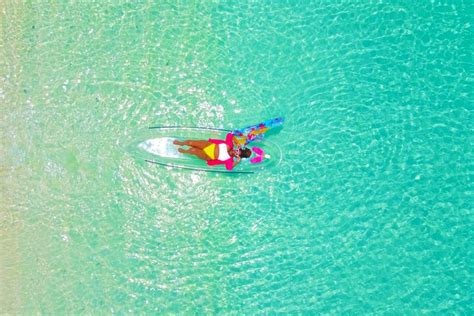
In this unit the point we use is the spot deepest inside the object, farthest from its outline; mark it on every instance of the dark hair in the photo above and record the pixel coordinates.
(245, 152)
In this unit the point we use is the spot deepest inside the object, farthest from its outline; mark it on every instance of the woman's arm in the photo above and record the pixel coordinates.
(236, 162)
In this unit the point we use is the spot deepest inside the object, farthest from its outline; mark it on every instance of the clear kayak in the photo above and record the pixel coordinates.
(158, 148)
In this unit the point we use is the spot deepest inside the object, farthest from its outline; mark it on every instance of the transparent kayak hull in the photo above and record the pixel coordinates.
(156, 146)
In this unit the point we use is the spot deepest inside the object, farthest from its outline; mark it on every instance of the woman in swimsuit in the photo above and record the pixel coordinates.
(215, 151)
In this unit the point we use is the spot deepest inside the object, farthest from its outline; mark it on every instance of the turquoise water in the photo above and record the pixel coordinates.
(370, 210)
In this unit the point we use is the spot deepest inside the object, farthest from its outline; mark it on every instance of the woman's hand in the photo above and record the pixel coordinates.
(235, 140)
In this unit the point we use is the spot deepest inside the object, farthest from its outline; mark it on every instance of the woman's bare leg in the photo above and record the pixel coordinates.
(200, 144)
(179, 143)
(194, 151)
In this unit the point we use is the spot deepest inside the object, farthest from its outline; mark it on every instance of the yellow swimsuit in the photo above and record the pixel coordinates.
(210, 150)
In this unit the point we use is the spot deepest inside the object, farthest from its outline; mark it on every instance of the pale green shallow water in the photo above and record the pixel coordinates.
(369, 212)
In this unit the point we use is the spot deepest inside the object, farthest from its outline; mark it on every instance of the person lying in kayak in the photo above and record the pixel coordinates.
(215, 151)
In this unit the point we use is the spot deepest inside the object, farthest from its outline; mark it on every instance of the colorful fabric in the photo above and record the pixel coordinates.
(210, 150)
(260, 154)
(255, 132)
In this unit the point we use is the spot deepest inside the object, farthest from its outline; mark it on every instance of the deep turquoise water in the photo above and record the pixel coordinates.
(370, 211)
